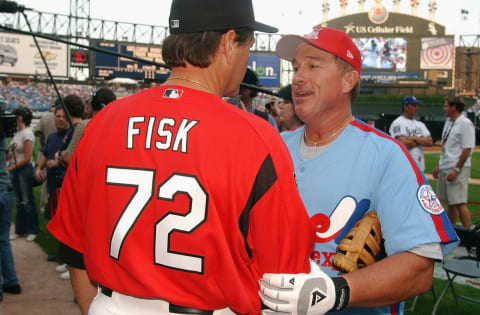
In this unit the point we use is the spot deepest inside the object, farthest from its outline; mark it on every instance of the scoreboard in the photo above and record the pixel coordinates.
(109, 66)
(398, 48)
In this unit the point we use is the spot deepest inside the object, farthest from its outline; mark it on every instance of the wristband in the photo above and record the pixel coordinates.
(342, 293)
(457, 169)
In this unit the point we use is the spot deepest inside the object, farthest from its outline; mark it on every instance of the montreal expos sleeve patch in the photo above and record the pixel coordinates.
(429, 201)
(173, 93)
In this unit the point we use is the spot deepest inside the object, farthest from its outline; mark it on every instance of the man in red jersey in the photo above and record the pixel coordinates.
(176, 201)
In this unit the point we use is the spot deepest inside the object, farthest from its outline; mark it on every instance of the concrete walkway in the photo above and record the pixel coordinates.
(43, 292)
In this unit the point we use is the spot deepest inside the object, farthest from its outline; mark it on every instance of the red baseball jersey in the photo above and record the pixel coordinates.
(173, 193)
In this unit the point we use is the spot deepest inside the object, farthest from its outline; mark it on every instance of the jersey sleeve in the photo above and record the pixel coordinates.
(467, 135)
(408, 209)
(396, 130)
(28, 135)
(280, 232)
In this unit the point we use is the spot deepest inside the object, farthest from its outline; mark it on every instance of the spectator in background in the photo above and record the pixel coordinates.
(43, 129)
(88, 113)
(248, 94)
(76, 109)
(22, 173)
(288, 118)
(99, 100)
(46, 125)
(453, 168)
(411, 132)
(8, 275)
(47, 159)
(272, 107)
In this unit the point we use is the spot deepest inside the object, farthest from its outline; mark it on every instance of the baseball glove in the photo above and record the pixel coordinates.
(361, 247)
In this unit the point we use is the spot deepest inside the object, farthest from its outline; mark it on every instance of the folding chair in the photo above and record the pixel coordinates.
(463, 266)
(415, 300)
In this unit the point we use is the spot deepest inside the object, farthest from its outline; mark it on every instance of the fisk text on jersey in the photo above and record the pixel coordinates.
(164, 130)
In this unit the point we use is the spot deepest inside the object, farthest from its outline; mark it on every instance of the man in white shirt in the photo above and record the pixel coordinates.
(453, 168)
(411, 132)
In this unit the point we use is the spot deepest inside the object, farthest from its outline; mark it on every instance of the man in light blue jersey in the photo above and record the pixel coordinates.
(344, 169)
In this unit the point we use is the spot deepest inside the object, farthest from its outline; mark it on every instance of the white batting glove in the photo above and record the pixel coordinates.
(313, 293)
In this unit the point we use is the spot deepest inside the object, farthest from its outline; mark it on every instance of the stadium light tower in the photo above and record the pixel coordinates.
(80, 18)
(80, 10)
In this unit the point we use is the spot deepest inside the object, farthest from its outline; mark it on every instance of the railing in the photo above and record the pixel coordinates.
(67, 26)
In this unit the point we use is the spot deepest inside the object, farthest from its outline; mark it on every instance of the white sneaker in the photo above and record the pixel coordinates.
(65, 275)
(61, 268)
(14, 236)
(31, 237)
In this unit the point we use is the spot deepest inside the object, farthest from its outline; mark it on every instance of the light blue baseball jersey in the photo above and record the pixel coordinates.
(365, 170)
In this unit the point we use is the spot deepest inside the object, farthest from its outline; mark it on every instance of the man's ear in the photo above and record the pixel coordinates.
(349, 81)
(227, 45)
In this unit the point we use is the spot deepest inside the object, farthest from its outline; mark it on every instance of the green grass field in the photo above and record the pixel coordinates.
(447, 306)
(431, 160)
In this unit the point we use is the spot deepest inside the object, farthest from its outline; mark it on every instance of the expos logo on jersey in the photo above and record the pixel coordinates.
(341, 220)
(335, 227)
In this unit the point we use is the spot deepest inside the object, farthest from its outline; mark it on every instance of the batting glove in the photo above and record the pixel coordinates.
(313, 293)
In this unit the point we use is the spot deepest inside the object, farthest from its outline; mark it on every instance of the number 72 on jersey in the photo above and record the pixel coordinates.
(144, 182)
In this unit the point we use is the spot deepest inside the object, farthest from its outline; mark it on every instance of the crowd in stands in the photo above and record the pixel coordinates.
(40, 96)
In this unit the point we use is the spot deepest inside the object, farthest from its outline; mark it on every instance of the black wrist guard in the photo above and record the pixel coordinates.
(342, 293)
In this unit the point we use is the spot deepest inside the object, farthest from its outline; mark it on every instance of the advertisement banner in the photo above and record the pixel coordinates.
(79, 58)
(436, 53)
(266, 66)
(19, 55)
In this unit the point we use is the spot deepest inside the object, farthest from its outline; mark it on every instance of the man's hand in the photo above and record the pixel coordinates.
(452, 175)
(52, 163)
(435, 172)
(39, 176)
(313, 293)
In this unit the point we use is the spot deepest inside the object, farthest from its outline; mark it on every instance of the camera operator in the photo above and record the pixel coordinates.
(8, 275)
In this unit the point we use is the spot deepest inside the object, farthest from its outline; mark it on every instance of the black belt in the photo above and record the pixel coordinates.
(172, 308)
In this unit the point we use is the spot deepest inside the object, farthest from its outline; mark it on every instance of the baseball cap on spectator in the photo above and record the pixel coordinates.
(410, 100)
(190, 16)
(251, 78)
(286, 93)
(331, 40)
(102, 97)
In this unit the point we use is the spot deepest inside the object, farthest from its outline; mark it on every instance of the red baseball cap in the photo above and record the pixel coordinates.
(331, 40)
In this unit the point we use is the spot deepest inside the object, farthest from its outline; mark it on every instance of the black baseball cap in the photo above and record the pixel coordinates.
(191, 16)
(251, 78)
(286, 93)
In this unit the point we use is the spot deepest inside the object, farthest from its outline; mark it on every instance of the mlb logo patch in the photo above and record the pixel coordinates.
(174, 23)
(429, 201)
(173, 93)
